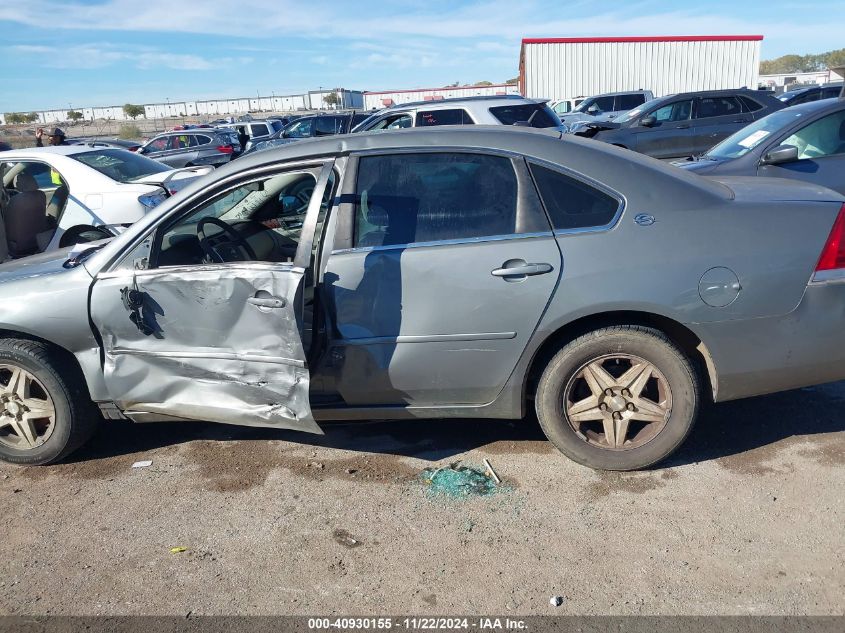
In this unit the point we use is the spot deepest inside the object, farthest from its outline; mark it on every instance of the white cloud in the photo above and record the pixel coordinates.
(92, 56)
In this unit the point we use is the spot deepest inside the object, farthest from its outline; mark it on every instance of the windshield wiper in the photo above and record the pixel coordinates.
(81, 256)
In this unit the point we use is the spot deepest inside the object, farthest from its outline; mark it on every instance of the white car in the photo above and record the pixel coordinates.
(58, 196)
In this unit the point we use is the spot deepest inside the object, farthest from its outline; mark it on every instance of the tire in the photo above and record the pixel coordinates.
(75, 417)
(625, 346)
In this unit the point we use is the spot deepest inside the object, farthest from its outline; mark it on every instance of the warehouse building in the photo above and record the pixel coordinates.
(564, 67)
(386, 98)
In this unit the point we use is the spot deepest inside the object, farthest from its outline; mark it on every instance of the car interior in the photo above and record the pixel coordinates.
(38, 196)
(824, 137)
(257, 221)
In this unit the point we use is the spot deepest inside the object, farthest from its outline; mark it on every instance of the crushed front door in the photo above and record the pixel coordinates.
(216, 342)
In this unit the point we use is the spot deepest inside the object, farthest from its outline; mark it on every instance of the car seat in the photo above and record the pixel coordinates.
(26, 216)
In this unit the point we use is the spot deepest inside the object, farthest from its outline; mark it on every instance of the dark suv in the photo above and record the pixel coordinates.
(684, 124)
(311, 126)
(811, 93)
(192, 148)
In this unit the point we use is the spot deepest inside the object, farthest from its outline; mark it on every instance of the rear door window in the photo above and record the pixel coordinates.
(710, 107)
(430, 197)
(202, 139)
(539, 114)
(458, 116)
(830, 92)
(572, 204)
(748, 104)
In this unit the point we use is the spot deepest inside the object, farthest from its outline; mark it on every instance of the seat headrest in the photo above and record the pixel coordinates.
(25, 182)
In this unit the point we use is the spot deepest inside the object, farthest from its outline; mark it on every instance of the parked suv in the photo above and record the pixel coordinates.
(811, 93)
(256, 130)
(192, 148)
(311, 126)
(684, 124)
(502, 110)
(607, 106)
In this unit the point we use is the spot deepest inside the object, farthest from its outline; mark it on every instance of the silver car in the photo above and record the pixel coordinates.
(440, 273)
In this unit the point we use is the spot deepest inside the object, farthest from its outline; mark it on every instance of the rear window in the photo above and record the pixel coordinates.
(259, 129)
(572, 204)
(748, 104)
(539, 114)
(120, 165)
(458, 116)
(629, 102)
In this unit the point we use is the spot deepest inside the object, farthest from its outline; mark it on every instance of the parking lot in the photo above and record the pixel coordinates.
(746, 519)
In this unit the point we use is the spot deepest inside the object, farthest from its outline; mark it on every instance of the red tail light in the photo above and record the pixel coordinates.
(225, 149)
(833, 253)
(133, 149)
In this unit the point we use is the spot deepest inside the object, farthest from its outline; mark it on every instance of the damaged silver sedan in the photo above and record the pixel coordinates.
(434, 273)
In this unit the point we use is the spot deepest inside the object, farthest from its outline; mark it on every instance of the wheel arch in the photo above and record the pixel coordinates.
(686, 340)
(70, 358)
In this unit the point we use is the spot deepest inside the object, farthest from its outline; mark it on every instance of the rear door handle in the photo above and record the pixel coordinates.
(683, 127)
(740, 120)
(267, 302)
(522, 270)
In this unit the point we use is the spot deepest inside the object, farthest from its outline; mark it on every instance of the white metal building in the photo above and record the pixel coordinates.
(312, 100)
(385, 98)
(782, 80)
(564, 67)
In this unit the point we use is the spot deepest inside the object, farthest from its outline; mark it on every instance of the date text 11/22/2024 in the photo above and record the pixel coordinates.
(417, 624)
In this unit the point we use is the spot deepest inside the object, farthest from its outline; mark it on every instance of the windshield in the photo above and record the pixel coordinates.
(120, 165)
(585, 105)
(752, 135)
(633, 114)
(366, 121)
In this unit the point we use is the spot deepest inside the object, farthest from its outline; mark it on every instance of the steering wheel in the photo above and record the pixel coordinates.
(219, 250)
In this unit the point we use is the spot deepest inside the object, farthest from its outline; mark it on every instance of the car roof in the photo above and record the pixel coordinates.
(62, 150)
(453, 101)
(712, 93)
(639, 91)
(831, 104)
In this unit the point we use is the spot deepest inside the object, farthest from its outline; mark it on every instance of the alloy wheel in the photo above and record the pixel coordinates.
(617, 402)
(27, 412)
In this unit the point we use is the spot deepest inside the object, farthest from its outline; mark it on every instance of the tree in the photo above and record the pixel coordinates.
(30, 117)
(802, 63)
(75, 115)
(331, 99)
(133, 111)
(483, 83)
(515, 80)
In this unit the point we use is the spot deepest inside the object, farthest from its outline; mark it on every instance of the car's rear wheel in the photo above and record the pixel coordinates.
(45, 410)
(618, 398)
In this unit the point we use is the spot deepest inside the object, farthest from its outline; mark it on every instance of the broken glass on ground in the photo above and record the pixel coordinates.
(459, 481)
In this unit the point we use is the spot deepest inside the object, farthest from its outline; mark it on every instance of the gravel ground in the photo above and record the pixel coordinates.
(747, 519)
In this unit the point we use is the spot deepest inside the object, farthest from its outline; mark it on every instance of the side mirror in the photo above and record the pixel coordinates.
(593, 109)
(780, 154)
(648, 121)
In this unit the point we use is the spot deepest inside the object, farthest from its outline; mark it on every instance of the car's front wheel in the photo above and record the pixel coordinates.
(618, 398)
(45, 410)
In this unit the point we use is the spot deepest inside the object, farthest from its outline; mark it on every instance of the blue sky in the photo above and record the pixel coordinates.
(56, 54)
